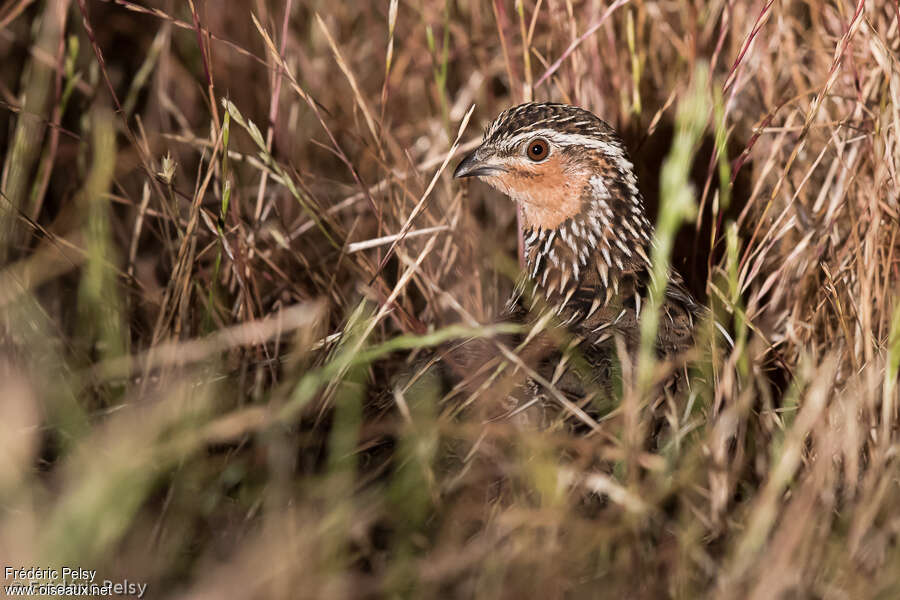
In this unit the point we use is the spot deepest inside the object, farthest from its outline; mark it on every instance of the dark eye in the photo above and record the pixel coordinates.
(538, 148)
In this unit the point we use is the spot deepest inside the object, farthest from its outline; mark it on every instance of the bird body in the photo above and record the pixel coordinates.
(586, 232)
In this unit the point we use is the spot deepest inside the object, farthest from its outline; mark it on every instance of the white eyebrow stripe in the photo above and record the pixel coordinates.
(568, 139)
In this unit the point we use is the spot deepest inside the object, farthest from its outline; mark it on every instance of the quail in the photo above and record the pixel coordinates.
(586, 233)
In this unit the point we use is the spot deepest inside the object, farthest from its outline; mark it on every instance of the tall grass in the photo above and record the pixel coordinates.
(232, 255)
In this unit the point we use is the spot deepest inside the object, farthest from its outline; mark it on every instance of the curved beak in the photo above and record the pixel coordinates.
(472, 166)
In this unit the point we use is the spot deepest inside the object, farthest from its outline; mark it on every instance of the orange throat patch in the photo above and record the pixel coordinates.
(548, 192)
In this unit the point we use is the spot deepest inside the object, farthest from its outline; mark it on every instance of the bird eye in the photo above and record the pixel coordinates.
(538, 149)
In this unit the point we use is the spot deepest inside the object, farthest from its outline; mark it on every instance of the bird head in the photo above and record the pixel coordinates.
(569, 171)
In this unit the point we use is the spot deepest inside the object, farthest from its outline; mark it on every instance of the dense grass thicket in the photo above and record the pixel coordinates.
(231, 250)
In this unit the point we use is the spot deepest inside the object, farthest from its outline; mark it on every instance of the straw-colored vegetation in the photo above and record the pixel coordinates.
(230, 246)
